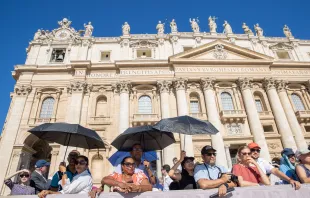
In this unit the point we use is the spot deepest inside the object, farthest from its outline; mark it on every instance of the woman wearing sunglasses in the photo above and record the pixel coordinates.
(248, 171)
(128, 181)
(80, 184)
(21, 188)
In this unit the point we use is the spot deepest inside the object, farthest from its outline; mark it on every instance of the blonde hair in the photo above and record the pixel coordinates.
(239, 152)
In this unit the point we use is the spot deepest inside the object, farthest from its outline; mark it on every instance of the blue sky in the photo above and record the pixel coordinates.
(20, 19)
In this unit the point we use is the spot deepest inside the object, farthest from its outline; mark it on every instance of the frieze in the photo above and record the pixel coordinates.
(221, 69)
(290, 72)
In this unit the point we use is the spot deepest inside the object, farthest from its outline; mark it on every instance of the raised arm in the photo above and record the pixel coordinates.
(175, 167)
(12, 175)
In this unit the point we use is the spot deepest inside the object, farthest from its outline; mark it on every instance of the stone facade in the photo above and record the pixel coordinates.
(251, 87)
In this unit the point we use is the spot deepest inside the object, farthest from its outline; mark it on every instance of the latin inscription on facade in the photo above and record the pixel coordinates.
(221, 69)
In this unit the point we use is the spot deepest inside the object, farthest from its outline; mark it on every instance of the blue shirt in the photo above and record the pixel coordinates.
(206, 171)
(288, 172)
(56, 178)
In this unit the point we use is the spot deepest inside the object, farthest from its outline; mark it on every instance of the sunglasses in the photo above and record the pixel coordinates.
(246, 154)
(210, 154)
(255, 150)
(290, 156)
(24, 175)
(128, 164)
(137, 149)
(81, 162)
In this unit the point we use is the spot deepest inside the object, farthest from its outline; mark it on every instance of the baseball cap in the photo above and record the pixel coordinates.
(185, 159)
(287, 152)
(302, 152)
(41, 163)
(207, 148)
(253, 145)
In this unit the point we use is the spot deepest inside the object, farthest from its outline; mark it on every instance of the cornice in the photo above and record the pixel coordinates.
(220, 62)
(141, 63)
(290, 64)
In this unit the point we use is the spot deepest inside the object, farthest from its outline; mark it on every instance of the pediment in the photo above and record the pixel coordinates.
(220, 50)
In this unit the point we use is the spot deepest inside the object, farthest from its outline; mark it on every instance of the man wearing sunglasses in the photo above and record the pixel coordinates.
(267, 168)
(208, 175)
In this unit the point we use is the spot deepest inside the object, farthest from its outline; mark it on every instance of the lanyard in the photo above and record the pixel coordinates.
(210, 178)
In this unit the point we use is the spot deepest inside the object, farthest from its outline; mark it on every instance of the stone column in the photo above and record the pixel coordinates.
(158, 165)
(123, 88)
(278, 111)
(256, 127)
(54, 159)
(180, 87)
(290, 115)
(227, 152)
(213, 117)
(11, 130)
(164, 89)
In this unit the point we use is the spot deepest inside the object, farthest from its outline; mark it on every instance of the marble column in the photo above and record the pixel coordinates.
(11, 130)
(180, 86)
(227, 152)
(213, 117)
(245, 85)
(158, 165)
(290, 115)
(280, 117)
(123, 88)
(164, 89)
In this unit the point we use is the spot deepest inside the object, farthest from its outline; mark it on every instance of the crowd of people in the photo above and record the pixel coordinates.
(134, 174)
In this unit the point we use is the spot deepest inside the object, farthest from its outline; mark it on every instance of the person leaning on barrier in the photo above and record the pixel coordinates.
(303, 169)
(267, 168)
(208, 175)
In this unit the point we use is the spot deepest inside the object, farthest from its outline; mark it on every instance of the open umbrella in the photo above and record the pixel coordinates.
(149, 138)
(118, 156)
(68, 135)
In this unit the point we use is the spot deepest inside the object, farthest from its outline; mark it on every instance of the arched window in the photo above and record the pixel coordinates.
(101, 106)
(259, 105)
(298, 104)
(227, 102)
(194, 104)
(145, 105)
(47, 108)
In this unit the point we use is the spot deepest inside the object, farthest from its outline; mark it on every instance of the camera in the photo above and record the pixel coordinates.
(234, 178)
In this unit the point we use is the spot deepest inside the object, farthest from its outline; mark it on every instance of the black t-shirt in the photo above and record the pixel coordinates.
(187, 182)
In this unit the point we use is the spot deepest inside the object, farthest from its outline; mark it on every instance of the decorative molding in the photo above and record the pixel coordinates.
(269, 83)
(207, 83)
(164, 86)
(281, 85)
(124, 42)
(22, 90)
(55, 153)
(180, 83)
(219, 52)
(78, 86)
(244, 83)
(281, 46)
(143, 44)
(174, 39)
(273, 146)
(123, 87)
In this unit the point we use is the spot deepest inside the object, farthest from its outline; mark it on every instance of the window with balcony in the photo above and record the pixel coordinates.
(194, 104)
(145, 105)
(298, 104)
(47, 108)
(101, 106)
(227, 101)
(259, 105)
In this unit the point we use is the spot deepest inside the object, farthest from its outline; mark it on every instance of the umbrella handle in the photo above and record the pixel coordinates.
(67, 147)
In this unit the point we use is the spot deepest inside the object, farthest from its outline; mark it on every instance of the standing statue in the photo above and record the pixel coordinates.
(212, 24)
(126, 29)
(64, 23)
(246, 29)
(88, 29)
(195, 26)
(287, 32)
(227, 28)
(173, 26)
(259, 31)
(160, 28)
(37, 35)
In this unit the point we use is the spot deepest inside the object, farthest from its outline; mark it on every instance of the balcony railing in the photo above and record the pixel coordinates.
(303, 116)
(145, 119)
(201, 116)
(265, 115)
(100, 120)
(233, 116)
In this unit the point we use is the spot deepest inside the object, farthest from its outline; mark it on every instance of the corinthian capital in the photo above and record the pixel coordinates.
(123, 86)
(269, 83)
(22, 90)
(164, 86)
(180, 83)
(281, 85)
(244, 83)
(207, 83)
(77, 86)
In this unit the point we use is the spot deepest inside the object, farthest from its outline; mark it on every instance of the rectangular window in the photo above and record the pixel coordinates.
(58, 55)
(268, 128)
(144, 53)
(307, 129)
(194, 107)
(105, 56)
(187, 48)
(283, 55)
(259, 106)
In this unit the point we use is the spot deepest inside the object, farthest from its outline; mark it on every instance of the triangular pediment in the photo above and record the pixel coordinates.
(220, 50)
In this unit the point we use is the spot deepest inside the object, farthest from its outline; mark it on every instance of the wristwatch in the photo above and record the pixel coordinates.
(226, 185)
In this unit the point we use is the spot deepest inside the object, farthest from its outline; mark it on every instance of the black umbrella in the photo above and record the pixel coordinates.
(149, 138)
(68, 135)
(186, 125)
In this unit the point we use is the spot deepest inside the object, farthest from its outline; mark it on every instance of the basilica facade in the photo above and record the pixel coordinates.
(251, 87)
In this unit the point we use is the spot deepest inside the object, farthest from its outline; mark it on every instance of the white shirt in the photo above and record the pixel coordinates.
(264, 165)
(167, 182)
(80, 184)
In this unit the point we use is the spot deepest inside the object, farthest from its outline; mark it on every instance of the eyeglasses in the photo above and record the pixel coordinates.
(24, 175)
(128, 164)
(255, 150)
(81, 162)
(290, 156)
(246, 154)
(137, 149)
(210, 154)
